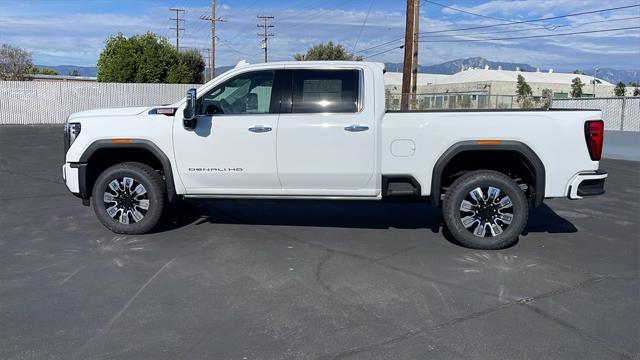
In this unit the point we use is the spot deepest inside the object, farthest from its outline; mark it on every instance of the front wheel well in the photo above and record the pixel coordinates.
(103, 158)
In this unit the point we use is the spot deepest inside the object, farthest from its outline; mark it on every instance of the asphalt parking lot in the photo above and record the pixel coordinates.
(298, 280)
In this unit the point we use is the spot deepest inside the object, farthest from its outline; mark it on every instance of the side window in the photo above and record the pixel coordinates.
(248, 93)
(318, 91)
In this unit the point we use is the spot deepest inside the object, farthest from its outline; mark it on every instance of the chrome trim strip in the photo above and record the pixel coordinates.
(282, 197)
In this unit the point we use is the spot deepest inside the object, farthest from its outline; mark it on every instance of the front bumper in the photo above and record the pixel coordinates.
(587, 184)
(74, 176)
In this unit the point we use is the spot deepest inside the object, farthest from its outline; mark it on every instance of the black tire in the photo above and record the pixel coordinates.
(126, 198)
(487, 214)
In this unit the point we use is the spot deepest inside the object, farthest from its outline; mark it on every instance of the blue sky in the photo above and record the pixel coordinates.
(73, 31)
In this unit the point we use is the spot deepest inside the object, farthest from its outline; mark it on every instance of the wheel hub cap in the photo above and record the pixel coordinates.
(486, 209)
(126, 200)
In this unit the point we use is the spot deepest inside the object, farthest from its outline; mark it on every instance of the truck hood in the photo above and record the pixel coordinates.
(123, 111)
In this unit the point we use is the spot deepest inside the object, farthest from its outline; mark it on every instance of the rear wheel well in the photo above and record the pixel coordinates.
(526, 172)
(101, 159)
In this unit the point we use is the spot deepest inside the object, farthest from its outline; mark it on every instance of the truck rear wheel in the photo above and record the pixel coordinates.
(485, 209)
(128, 198)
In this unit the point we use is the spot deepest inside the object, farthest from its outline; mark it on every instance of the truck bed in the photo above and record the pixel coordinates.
(413, 141)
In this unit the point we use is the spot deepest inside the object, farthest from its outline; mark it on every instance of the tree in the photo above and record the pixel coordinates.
(579, 72)
(330, 51)
(74, 72)
(636, 92)
(195, 66)
(15, 63)
(576, 87)
(118, 60)
(156, 58)
(43, 71)
(620, 89)
(147, 58)
(524, 92)
(179, 74)
(547, 96)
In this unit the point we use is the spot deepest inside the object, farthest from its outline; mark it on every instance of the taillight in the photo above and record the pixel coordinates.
(594, 135)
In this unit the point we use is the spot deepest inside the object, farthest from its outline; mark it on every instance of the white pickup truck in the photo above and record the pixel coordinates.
(319, 130)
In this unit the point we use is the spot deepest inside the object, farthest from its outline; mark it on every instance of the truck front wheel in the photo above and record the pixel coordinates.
(485, 209)
(128, 198)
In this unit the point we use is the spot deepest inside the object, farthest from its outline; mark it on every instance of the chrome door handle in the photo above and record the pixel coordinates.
(260, 129)
(356, 128)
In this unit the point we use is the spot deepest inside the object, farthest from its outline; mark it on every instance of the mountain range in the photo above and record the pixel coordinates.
(454, 66)
(450, 67)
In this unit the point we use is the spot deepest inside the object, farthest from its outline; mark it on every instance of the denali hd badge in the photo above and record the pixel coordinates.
(214, 169)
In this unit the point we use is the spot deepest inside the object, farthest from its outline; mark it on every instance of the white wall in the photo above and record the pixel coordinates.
(31, 102)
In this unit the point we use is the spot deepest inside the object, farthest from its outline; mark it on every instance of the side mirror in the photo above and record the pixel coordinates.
(189, 120)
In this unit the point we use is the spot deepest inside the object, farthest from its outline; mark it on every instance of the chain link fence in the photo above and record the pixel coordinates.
(33, 102)
(464, 101)
(618, 113)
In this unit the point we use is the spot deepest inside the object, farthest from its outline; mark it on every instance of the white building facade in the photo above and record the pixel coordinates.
(487, 88)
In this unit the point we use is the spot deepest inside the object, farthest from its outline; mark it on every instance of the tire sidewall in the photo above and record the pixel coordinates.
(154, 195)
(459, 191)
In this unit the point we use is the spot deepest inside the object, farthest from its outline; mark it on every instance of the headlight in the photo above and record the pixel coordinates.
(71, 132)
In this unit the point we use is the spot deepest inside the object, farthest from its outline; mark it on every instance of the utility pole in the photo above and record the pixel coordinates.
(408, 56)
(414, 61)
(265, 35)
(595, 73)
(177, 28)
(213, 19)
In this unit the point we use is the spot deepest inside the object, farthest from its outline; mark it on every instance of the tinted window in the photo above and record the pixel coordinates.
(316, 91)
(248, 93)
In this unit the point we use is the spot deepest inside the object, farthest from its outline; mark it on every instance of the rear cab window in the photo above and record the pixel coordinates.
(321, 91)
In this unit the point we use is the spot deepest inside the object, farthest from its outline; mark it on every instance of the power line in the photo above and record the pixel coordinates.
(475, 14)
(495, 25)
(535, 20)
(311, 18)
(384, 52)
(534, 36)
(380, 45)
(573, 26)
(228, 45)
(362, 27)
(508, 38)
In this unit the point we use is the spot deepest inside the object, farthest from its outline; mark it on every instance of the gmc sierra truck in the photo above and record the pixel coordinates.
(320, 130)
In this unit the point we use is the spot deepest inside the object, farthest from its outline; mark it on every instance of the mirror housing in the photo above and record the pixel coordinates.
(189, 120)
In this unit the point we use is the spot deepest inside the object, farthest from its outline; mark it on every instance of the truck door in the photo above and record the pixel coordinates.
(233, 148)
(326, 135)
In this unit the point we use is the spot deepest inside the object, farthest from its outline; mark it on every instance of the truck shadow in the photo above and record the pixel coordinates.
(345, 214)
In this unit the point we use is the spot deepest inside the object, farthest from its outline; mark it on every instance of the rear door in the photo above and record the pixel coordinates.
(326, 134)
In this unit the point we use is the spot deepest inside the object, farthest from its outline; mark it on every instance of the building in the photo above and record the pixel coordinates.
(487, 88)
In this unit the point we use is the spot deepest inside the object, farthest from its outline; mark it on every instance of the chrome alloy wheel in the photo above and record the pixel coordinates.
(126, 200)
(479, 212)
